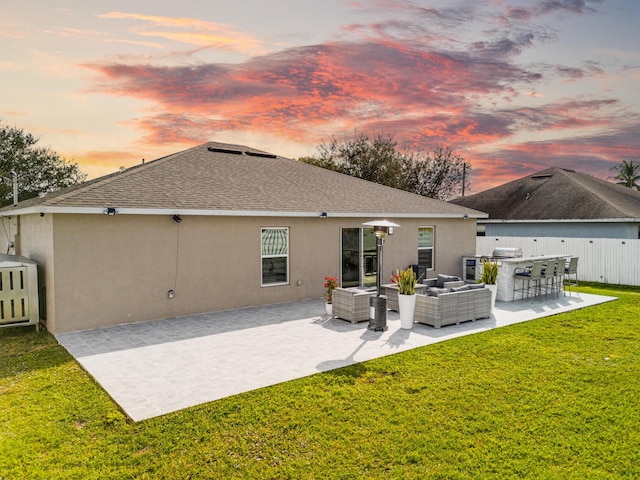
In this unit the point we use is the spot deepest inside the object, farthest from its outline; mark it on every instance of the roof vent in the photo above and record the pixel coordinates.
(538, 177)
(260, 154)
(224, 150)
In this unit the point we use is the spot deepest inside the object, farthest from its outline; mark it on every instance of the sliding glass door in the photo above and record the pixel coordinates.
(359, 262)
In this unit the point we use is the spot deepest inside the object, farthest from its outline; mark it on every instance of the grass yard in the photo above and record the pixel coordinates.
(554, 398)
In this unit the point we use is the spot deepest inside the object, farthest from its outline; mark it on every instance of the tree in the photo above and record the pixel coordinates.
(627, 174)
(439, 174)
(377, 158)
(38, 169)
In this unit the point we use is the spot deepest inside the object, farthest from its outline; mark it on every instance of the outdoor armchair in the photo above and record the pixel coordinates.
(351, 304)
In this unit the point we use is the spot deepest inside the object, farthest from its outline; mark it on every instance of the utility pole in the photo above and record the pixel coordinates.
(464, 176)
(14, 176)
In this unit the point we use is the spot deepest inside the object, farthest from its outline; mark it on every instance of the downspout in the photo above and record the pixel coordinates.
(14, 176)
(16, 237)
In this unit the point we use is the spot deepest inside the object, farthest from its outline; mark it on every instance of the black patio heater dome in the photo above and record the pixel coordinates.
(378, 304)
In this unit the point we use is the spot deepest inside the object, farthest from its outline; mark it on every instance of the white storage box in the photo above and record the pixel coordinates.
(18, 291)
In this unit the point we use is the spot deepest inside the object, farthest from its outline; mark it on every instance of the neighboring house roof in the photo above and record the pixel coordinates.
(223, 179)
(556, 194)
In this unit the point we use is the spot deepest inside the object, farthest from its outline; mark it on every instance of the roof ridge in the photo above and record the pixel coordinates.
(572, 194)
(586, 182)
(111, 177)
(99, 182)
(212, 177)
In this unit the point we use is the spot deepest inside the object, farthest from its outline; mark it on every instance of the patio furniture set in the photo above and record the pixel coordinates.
(553, 275)
(441, 301)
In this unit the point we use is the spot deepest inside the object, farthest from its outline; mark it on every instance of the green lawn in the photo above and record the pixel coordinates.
(557, 398)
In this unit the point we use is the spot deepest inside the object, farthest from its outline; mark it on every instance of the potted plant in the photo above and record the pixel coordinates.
(489, 277)
(330, 284)
(406, 281)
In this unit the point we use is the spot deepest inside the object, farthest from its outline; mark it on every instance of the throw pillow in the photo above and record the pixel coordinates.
(445, 278)
(461, 289)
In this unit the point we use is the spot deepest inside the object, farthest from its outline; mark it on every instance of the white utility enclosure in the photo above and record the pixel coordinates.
(18, 292)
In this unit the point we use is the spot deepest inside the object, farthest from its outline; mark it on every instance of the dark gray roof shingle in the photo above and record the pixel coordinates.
(556, 194)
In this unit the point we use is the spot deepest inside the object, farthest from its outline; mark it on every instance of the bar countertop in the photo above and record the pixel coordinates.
(506, 269)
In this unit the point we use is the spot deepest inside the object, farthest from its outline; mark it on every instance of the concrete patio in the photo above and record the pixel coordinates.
(157, 367)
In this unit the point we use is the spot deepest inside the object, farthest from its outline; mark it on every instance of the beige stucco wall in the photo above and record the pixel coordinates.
(9, 227)
(32, 237)
(453, 239)
(118, 269)
(112, 270)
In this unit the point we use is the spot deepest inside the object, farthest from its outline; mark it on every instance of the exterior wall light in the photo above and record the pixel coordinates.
(177, 218)
(110, 211)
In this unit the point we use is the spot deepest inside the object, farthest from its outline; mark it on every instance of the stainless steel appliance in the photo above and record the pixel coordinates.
(472, 265)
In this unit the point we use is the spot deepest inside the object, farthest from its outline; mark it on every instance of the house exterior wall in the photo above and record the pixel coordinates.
(569, 230)
(9, 228)
(112, 270)
(32, 238)
(453, 239)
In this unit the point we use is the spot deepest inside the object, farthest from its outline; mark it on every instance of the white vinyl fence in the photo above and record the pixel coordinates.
(606, 260)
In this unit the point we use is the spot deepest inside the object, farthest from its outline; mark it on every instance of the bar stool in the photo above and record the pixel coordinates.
(559, 276)
(548, 275)
(571, 270)
(526, 276)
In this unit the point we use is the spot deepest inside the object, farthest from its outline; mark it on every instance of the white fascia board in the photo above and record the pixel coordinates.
(401, 215)
(568, 220)
(225, 213)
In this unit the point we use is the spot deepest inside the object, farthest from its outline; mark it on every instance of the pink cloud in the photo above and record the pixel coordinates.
(399, 77)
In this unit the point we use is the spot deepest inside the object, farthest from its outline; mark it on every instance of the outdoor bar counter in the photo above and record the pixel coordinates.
(506, 269)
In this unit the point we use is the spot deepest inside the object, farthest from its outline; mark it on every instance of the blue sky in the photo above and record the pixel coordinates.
(512, 86)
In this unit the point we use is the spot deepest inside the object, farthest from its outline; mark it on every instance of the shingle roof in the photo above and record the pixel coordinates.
(556, 194)
(217, 177)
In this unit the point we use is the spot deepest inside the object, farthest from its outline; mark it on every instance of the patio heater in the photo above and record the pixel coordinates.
(378, 304)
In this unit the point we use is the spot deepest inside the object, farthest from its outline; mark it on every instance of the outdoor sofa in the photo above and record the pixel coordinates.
(442, 306)
(442, 281)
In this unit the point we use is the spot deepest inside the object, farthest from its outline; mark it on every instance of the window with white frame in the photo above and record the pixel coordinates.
(425, 246)
(275, 255)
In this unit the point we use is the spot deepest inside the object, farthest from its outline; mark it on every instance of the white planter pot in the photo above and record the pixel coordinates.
(406, 307)
(329, 308)
(494, 292)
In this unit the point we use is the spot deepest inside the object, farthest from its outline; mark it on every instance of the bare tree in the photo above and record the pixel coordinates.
(438, 174)
(377, 158)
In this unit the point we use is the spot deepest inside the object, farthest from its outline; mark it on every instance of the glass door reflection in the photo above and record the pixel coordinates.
(359, 262)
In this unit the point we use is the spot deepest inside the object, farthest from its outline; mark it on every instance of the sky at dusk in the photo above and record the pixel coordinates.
(513, 86)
